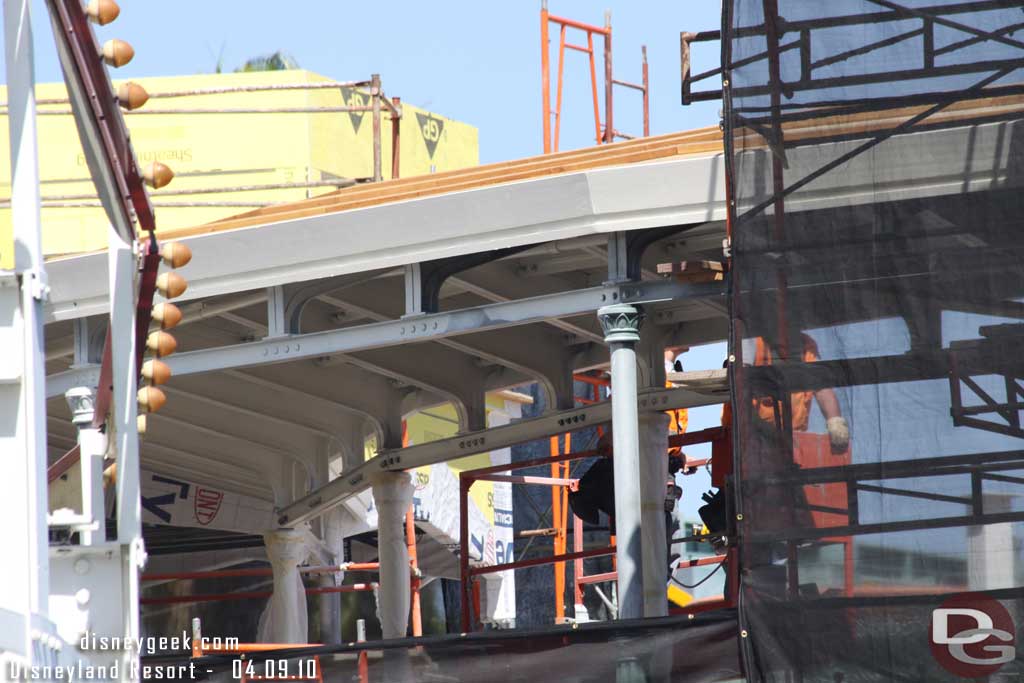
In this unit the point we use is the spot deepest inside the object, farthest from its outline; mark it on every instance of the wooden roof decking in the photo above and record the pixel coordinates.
(686, 143)
(700, 141)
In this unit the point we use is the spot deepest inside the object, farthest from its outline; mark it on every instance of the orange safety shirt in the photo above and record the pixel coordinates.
(679, 419)
(800, 400)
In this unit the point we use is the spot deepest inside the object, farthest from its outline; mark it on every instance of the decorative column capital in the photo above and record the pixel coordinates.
(621, 323)
(82, 402)
(285, 545)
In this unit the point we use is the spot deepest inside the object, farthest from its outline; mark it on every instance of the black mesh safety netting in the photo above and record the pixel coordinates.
(698, 649)
(875, 151)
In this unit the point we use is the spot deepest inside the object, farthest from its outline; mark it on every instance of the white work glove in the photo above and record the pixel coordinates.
(838, 434)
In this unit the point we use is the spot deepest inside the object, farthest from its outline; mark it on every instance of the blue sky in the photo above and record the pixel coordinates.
(477, 62)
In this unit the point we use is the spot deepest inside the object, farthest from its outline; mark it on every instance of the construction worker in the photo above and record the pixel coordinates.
(595, 491)
(679, 418)
(800, 401)
(596, 488)
(768, 410)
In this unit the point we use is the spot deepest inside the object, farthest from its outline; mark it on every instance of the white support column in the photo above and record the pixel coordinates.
(122, 427)
(277, 323)
(285, 619)
(653, 473)
(653, 478)
(330, 603)
(392, 494)
(621, 325)
(92, 445)
(25, 588)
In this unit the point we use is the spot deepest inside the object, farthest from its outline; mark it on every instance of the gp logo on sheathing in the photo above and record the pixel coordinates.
(972, 635)
(431, 127)
(354, 98)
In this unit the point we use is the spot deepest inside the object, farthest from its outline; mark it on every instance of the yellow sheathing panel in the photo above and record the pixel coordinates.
(342, 144)
(441, 422)
(226, 150)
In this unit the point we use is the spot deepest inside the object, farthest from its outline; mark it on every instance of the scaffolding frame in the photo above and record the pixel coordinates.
(768, 120)
(561, 483)
(497, 473)
(604, 133)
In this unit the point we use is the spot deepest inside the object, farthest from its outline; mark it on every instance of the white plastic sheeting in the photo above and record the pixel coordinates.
(181, 502)
(392, 494)
(285, 620)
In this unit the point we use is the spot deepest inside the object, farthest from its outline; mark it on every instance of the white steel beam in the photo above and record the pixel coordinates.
(85, 376)
(25, 589)
(348, 484)
(434, 326)
(240, 445)
(271, 418)
(535, 351)
(219, 450)
(298, 395)
(492, 284)
(237, 476)
(448, 374)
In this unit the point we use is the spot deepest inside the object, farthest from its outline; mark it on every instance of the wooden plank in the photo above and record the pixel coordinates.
(966, 112)
(699, 141)
(301, 210)
(343, 202)
(538, 163)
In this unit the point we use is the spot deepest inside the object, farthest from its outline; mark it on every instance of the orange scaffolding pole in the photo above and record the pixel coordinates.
(551, 138)
(559, 518)
(410, 541)
(545, 76)
(603, 133)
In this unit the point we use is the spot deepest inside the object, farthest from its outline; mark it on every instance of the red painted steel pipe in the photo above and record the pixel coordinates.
(597, 578)
(464, 571)
(691, 438)
(545, 79)
(536, 561)
(647, 93)
(609, 126)
(595, 381)
(523, 464)
(396, 138)
(572, 23)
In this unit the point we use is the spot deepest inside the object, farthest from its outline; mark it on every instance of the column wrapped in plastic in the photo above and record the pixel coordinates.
(285, 620)
(392, 494)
